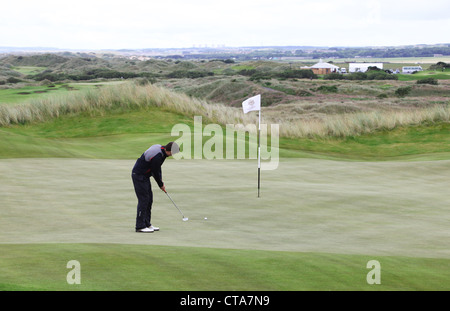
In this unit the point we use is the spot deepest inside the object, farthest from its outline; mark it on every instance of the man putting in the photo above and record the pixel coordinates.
(149, 164)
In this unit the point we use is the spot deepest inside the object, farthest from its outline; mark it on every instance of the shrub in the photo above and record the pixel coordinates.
(373, 68)
(432, 81)
(328, 88)
(105, 73)
(286, 74)
(47, 83)
(260, 76)
(403, 91)
(356, 76)
(374, 74)
(380, 75)
(439, 66)
(334, 76)
(192, 74)
(50, 76)
(13, 80)
(297, 74)
(247, 72)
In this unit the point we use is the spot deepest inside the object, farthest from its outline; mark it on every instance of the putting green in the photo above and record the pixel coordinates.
(306, 205)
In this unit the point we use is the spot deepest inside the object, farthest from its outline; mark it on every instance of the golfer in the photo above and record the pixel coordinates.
(149, 164)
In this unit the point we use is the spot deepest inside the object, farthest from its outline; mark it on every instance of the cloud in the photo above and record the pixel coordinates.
(179, 23)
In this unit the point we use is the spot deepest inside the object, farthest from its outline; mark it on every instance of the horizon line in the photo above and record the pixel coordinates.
(217, 47)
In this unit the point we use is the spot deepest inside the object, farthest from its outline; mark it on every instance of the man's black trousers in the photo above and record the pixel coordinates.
(144, 194)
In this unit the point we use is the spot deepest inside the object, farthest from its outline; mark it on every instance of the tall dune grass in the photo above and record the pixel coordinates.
(127, 96)
(354, 124)
(130, 96)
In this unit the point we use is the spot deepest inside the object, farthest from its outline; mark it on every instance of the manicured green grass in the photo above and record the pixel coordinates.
(114, 135)
(119, 134)
(142, 267)
(424, 141)
(29, 70)
(146, 121)
(18, 95)
(436, 74)
(26, 93)
(242, 67)
(315, 226)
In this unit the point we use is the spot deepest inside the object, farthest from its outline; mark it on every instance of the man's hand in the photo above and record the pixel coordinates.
(163, 188)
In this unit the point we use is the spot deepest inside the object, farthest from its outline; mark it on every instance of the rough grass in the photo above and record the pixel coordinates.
(130, 96)
(354, 124)
(126, 97)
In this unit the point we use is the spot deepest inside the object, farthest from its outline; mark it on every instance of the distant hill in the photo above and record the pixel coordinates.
(10, 49)
(257, 52)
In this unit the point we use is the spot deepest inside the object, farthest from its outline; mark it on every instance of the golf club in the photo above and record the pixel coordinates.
(184, 218)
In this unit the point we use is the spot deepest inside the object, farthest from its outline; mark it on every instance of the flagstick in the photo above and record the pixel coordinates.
(259, 151)
(252, 104)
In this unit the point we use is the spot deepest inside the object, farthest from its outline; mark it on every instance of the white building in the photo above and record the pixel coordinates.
(362, 67)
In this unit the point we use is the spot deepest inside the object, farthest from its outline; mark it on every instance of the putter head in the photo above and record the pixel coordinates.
(185, 219)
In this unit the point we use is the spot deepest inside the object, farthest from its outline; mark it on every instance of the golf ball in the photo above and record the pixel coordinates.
(206, 218)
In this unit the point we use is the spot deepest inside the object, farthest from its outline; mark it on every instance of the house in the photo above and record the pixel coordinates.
(363, 67)
(322, 68)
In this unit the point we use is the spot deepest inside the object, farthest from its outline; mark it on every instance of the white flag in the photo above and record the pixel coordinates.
(252, 104)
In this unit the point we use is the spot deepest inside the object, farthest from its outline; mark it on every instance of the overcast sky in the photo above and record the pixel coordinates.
(112, 24)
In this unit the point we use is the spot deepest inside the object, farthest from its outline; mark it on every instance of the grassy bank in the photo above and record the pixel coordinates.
(123, 135)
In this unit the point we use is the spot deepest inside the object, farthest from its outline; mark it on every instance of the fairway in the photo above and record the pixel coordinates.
(27, 93)
(336, 209)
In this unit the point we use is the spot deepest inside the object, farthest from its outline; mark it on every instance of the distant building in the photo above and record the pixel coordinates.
(363, 67)
(411, 69)
(322, 68)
